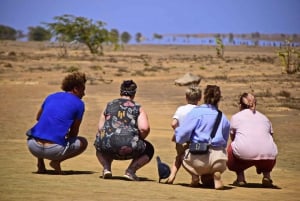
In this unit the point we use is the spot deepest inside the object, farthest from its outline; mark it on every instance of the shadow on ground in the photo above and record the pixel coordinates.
(65, 172)
(256, 185)
(126, 179)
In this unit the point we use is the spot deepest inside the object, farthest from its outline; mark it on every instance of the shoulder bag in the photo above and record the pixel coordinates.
(202, 147)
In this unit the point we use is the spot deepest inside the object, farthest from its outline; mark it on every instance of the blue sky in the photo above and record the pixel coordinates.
(162, 16)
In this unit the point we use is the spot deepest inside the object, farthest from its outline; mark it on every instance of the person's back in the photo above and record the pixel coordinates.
(253, 139)
(252, 143)
(55, 134)
(121, 121)
(124, 112)
(122, 129)
(197, 129)
(59, 111)
(192, 96)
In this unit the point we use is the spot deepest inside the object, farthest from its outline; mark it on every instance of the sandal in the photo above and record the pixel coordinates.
(239, 183)
(267, 182)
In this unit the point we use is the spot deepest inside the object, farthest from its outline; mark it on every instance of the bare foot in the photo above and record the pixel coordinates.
(170, 180)
(195, 181)
(56, 166)
(218, 182)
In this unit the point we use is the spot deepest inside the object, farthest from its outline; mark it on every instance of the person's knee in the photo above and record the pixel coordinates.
(219, 166)
(83, 143)
(149, 151)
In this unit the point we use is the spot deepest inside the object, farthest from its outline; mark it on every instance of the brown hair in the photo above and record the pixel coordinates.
(212, 95)
(73, 80)
(128, 88)
(247, 101)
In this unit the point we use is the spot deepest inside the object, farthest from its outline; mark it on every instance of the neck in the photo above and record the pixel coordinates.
(126, 97)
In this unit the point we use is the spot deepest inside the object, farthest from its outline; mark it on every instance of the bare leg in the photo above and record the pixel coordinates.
(240, 176)
(104, 160)
(267, 181)
(55, 164)
(137, 163)
(175, 167)
(218, 168)
(41, 166)
(195, 180)
(267, 175)
(217, 180)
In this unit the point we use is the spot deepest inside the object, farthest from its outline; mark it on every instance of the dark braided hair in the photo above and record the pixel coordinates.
(212, 95)
(128, 88)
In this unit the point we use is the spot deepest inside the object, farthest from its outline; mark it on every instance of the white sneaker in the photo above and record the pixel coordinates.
(131, 176)
(106, 174)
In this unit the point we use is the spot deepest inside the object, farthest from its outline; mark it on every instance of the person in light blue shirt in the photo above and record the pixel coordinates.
(197, 127)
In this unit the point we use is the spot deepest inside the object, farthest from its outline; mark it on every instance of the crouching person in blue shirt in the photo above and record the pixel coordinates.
(55, 135)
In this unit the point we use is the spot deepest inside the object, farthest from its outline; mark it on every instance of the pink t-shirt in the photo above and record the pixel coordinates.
(253, 139)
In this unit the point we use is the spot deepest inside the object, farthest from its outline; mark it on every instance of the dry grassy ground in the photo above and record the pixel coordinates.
(30, 71)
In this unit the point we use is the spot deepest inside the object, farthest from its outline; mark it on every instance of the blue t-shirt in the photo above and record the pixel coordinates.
(59, 112)
(198, 125)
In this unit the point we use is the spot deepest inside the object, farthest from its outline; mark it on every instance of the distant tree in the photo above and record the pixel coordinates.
(217, 35)
(157, 36)
(219, 47)
(187, 38)
(294, 37)
(125, 37)
(38, 34)
(8, 33)
(138, 37)
(114, 36)
(69, 28)
(290, 58)
(255, 37)
(230, 38)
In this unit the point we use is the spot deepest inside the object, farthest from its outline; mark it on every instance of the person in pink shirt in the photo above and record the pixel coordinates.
(252, 143)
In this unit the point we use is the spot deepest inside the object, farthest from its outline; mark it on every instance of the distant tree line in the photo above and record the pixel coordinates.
(69, 28)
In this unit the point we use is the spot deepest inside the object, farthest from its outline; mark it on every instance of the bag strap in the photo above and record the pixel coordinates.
(214, 130)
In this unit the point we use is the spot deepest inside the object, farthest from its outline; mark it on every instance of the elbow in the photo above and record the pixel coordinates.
(144, 132)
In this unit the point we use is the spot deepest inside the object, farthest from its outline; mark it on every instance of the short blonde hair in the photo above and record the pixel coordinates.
(193, 94)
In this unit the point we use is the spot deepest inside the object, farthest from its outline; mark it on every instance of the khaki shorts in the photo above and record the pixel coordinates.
(214, 161)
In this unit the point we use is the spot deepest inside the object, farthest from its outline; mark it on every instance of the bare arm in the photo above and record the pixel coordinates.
(74, 128)
(101, 120)
(39, 114)
(174, 125)
(232, 134)
(143, 124)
